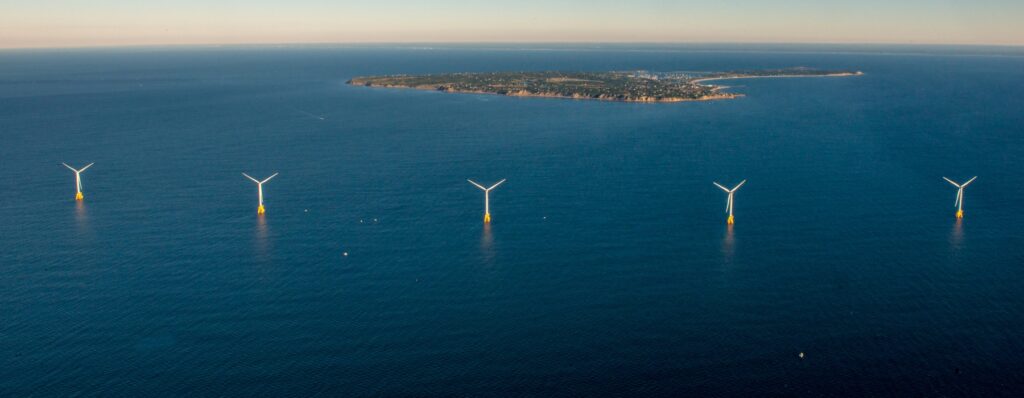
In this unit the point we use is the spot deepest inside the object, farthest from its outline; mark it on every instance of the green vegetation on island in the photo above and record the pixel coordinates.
(637, 86)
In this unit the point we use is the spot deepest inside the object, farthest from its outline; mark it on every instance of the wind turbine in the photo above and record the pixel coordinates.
(259, 185)
(78, 180)
(728, 203)
(960, 195)
(487, 198)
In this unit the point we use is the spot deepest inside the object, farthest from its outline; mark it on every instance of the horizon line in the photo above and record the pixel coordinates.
(509, 42)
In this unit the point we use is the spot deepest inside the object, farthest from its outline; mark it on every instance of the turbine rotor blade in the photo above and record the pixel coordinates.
(268, 178)
(721, 187)
(477, 185)
(86, 167)
(253, 179)
(496, 185)
(969, 181)
(728, 203)
(738, 186)
(66, 165)
(951, 182)
(959, 197)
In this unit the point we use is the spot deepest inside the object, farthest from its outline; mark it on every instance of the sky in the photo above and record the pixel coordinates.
(84, 23)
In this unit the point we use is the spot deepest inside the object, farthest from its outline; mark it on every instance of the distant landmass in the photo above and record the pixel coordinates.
(636, 86)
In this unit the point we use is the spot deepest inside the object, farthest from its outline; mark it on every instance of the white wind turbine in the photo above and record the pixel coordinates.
(259, 185)
(78, 180)
(728, 203)
(487, 198)
(960, 195)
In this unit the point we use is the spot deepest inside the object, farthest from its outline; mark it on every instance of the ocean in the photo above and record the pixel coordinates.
(608, 268)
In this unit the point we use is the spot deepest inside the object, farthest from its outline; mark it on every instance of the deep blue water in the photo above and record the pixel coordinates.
(608, 268)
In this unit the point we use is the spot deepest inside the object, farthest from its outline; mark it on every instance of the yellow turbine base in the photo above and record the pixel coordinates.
(79, 196)
(730, 220)
(487, 218)
(260, 210)
(959, 214)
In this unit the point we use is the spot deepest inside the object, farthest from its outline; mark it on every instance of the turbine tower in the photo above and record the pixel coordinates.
(259, 187)
(728, 203)
(960, 195)
(487, 198)
(78, 180)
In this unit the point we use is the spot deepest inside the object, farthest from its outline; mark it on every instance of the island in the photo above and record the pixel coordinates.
(635, 86)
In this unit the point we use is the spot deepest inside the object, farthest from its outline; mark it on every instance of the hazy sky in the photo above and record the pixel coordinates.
(62, 23)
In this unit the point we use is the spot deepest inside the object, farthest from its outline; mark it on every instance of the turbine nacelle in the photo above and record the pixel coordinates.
(487, 198)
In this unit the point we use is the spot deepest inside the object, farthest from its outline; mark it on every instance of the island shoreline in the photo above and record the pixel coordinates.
(634, 87)
(723, 96)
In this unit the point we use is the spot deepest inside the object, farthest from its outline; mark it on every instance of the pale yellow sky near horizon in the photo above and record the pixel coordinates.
(77, 23)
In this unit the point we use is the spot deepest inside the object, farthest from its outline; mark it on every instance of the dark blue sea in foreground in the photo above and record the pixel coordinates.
(608, 268)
